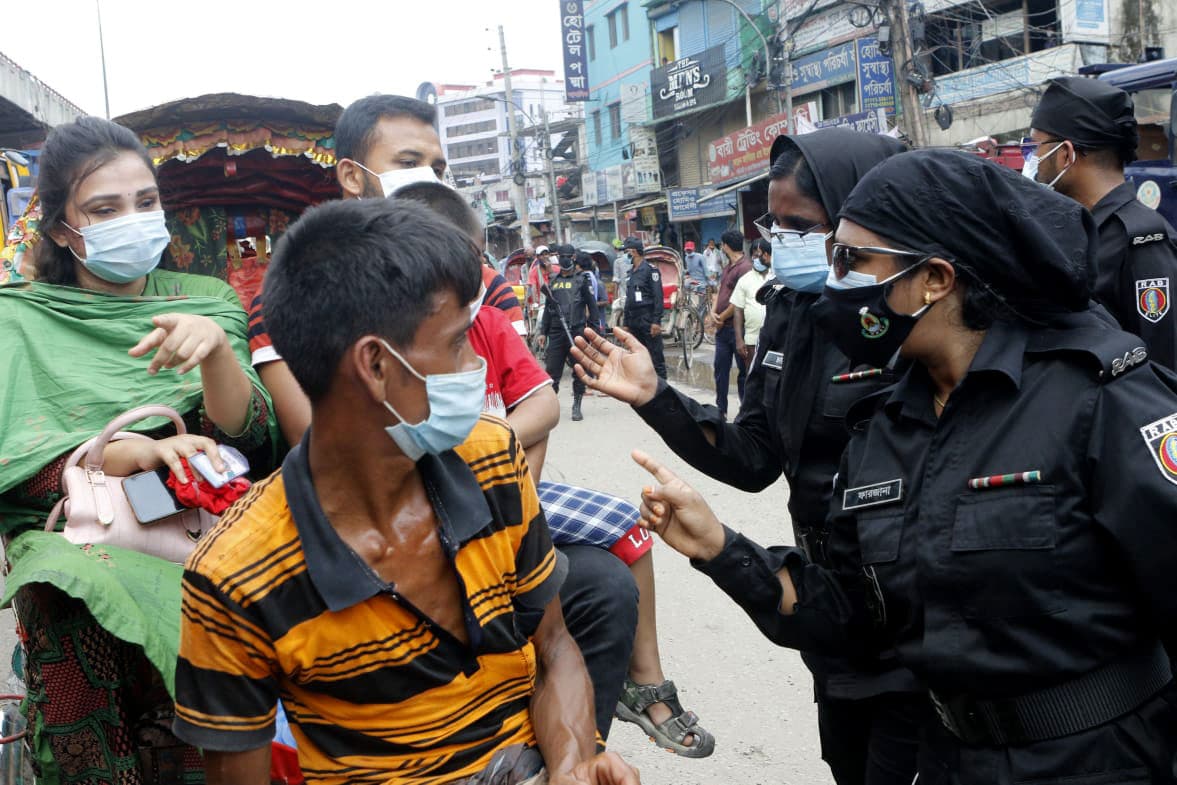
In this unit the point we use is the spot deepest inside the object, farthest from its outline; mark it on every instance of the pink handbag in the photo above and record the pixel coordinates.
(96, 508)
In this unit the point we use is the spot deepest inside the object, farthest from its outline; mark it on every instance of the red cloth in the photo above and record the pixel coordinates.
(512, 372)
(200, 493)
(632, 545)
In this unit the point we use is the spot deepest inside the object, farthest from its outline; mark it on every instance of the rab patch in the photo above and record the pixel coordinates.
(873, 326)
(1152, 298)
(1161, 438)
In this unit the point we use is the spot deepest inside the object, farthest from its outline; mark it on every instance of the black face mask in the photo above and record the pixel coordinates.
(566, 263)
(861, 323)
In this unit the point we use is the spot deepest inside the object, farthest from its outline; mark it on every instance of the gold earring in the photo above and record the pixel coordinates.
(927, 298)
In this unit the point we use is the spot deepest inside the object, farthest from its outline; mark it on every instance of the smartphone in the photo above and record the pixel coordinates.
(150, 497)
(235, 463)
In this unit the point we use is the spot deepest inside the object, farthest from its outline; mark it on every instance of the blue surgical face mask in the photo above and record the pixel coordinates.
(800, 262)
(124, 248)
(760, 266)
(455, 404)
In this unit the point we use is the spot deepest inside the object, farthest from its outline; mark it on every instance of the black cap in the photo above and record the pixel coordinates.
(633, 244)
(564, 250)
(1088, 113)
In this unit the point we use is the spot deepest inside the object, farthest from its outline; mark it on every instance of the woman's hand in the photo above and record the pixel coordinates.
(130, 456)
(184, 341)
(677, 513)
(626, 374)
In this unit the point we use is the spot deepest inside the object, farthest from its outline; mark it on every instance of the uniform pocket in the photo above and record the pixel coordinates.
(1002, 546)
(879, 535)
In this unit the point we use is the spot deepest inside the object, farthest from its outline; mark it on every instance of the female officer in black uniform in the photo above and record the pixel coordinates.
(1006, 519)
(792, 421)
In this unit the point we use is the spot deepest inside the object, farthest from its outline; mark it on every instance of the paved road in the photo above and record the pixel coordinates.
(755, 697)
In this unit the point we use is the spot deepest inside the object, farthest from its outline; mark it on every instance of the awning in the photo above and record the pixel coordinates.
(643, 203)
(734, 187)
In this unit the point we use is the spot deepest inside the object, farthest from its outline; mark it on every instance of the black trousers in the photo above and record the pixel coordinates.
(556, 357)
(640, 327)
(725, 352)
(600, 603)
(873, 741)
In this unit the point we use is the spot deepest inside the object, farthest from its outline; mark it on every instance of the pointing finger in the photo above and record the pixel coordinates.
(148, 342)
(660, 472)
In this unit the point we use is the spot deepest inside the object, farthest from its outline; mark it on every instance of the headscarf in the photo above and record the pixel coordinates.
(838, 158)
(1089, 113)
(1033, 247)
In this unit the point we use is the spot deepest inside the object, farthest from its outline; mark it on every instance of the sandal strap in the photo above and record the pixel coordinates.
(645, 695)
(678, 728)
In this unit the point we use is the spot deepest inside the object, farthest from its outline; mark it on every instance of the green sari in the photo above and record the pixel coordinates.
(64, 374)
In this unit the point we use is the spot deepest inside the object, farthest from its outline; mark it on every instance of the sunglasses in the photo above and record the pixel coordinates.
(768, 228)
(1030, 147)
(843, 257)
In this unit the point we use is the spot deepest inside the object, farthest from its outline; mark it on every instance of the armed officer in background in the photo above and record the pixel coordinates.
(1084, 132)
(643, 303)
(571, 305)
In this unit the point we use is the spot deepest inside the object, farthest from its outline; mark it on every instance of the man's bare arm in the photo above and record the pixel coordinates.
(562, 707)
(291, 405)
(251, 767)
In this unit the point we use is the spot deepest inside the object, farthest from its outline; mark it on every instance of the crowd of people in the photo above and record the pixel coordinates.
(964, 376)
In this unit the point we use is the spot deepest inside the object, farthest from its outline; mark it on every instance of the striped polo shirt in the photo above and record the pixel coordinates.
(277, 606)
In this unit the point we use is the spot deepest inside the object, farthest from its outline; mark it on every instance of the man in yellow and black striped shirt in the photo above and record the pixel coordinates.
(394, 585)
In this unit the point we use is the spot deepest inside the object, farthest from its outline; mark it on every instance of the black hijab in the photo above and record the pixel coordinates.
(838, 159)
(1031, 246)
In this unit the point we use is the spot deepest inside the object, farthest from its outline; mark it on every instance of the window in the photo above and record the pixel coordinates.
(618, 20)
(468, 107)
(502, 196)
(615, 120)
(611, 18)
(469, 149)
(838, 101)
(597, 127)
(471, 128)
(623, 12)
(590, 33)
(667, 46)
(471, 169)
(969, 37)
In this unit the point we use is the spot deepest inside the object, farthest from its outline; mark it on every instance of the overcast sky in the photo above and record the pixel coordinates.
(320, 52)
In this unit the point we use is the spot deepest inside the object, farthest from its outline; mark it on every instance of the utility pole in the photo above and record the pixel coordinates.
(518, 166)
(102, 53)
(551, 165)
(903, 61)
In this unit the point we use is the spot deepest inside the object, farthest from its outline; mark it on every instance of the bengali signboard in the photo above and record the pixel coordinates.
(647, 173)
(818, 71)
(615, 182)
(689, 83)
(872, 122)
(683, 204)
(745, 152)
(576, 86)
(588, 188)
(876, 80)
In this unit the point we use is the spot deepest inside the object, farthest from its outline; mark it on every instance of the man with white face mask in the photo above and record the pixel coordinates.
(1083, 132)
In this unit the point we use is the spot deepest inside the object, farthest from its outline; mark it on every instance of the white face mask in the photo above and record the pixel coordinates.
(1058, 176)
(851, 280)
(395, 179)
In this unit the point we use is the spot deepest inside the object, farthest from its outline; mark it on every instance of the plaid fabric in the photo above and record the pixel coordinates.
(580, 516)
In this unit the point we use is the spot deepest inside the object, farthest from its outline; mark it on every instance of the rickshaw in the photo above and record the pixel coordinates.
(680, 321)
(515, 270)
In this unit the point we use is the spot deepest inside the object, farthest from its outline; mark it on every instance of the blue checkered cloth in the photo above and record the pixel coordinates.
(579, 516)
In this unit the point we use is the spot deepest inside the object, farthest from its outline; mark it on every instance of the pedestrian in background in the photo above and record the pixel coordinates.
(571, 306)
(1085, 131)
(732, 245)
(643, 303)
(713, 262)
(695, 262)
(748, 312)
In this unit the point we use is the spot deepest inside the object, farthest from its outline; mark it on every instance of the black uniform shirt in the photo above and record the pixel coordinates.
(574, 296)
(1137, 271)
(643, 295)
(998, 591)
(791, 419)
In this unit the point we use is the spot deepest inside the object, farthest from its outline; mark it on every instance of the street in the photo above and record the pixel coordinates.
(754, 697)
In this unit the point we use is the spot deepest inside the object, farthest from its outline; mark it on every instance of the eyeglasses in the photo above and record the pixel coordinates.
(1030, 147)
(768, 228)
(844, 257)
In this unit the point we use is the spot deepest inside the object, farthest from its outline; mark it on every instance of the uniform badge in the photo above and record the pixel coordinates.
(653, 275)
(1152, 298)
(873, 326)
(1161, 438)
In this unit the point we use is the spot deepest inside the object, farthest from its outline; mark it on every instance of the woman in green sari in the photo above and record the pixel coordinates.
(102, 331)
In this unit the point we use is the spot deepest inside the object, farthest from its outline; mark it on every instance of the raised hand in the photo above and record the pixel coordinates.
(677, 513)
(626, 374)
(182, 341)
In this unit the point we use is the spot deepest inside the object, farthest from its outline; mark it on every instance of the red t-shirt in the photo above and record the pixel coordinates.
(512, 372)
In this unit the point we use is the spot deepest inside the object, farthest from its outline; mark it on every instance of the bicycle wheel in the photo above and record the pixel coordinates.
(692, 336)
